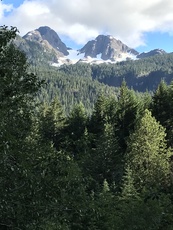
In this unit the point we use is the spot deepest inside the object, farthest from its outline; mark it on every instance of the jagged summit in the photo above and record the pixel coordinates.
(108, 47)
(45, 46)
(151, 53)
(52, 37)
(48, 37)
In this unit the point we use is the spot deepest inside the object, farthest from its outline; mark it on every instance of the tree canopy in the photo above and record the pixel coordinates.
(108, 169)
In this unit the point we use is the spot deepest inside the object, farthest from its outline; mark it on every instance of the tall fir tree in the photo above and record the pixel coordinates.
(52, 122)
(75, 131)
(162, 108)
(148, 156)
(128, 110)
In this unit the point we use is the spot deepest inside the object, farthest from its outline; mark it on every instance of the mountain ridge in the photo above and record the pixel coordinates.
(107, 46)
(44, 44)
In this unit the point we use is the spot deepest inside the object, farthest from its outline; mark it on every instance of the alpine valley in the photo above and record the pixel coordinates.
(99, 66)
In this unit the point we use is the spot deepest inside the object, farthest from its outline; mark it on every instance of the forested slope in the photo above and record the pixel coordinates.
(111, 169)
(144, 74)
(72, 87)
(83, 82)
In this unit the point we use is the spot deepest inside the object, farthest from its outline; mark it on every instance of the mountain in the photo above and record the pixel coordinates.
(52, 37)
(151, 53)
(47, 37)
(108, 48)
(44, 46)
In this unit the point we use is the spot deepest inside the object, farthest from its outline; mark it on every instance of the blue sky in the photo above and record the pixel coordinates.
(155, 40)
(141, 24)
(15, 3)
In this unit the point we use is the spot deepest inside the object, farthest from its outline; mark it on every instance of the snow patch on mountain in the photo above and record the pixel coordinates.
(76, 57)
(104, 49)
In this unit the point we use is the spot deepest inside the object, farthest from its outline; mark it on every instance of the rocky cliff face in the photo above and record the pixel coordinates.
(42, 45)
(108, 47)
(53, 39)
(48, 38)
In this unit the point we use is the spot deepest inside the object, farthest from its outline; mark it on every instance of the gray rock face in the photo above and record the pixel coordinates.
(151, 53)
(49, 38)
(44, 45)
(52, 37)
(107, 46)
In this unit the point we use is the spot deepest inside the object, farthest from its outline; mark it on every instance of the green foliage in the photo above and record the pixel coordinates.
(51, 122)
(128, 110)
(98, 118)
(144, 74)
(71, 88)
(17, 91)
(128, 189)
(136, 211)
(162, 108)
(75, 132)
(106, 154)
(106, 168)
(148, 156)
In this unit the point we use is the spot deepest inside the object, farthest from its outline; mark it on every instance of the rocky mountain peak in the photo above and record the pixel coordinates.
(107, 46)
(44, 45)
(52, 37)
(33, 36)
(48, 37)
(151, 53)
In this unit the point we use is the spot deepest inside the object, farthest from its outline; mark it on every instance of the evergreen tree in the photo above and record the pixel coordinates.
(17, 91)
(98, 118)
(136, 211)
(128, 110)
(162, 108)
(161, 103)
(106, 154)
(104, 204)
(75, 131)
(51, 122)
(148, 156)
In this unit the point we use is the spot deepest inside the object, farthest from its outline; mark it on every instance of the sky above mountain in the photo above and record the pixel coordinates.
(141, 24)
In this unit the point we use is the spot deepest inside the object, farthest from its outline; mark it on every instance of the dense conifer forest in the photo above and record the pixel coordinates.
(103, 163)
(83, 82)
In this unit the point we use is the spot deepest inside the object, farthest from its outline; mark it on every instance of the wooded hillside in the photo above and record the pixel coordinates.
(110, 169)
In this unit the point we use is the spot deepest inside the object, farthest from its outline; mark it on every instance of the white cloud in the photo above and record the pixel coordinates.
(81, 20)
(4, 9)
